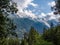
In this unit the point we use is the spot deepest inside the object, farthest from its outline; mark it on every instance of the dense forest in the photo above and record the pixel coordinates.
(8, 35)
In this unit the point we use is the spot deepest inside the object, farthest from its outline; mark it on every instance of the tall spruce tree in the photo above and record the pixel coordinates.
(32, 39)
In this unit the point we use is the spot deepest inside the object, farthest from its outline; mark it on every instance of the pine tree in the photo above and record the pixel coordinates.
(25, 39)
(33, 36)
(52, 35)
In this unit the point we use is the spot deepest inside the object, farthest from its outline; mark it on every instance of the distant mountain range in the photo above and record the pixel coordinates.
(24, 23)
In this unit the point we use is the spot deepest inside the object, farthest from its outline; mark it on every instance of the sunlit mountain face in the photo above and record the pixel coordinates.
(36, 13)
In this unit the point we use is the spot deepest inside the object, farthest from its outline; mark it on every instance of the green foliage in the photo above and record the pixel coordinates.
(7, 26)
(24, 42)
(8, 5)
(34, 38)
(43, 42)
(53, 35)
(10, 41)
(25, 39)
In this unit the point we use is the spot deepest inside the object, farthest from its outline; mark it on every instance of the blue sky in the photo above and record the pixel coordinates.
(42, 6)
(35, 8)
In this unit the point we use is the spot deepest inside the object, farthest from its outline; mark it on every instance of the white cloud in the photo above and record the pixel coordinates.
(27, 14)
(22, 5)
(42, 15)
(51, 13)
(48, 16)
(53, 17)
(30, 14)
(33, 4)
(51, 3)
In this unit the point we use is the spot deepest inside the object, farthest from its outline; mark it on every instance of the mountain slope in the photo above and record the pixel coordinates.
(25, 22)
